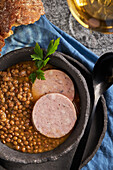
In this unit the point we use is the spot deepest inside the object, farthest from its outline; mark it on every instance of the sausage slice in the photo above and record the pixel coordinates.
(56, 82)
(54, 115)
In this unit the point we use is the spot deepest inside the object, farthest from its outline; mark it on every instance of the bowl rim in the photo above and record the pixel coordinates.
(59, 151)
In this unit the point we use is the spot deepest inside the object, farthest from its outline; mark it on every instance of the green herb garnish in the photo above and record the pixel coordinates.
(40, 60)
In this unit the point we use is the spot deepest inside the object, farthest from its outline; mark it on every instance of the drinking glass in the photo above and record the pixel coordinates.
(96, 15)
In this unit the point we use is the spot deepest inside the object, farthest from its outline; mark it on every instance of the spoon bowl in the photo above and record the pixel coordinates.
(102, 74)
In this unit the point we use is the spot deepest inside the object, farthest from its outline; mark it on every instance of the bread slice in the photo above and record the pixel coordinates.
(2, 43)
(18, 12)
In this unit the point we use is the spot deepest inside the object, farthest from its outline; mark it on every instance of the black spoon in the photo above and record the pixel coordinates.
(102, 79)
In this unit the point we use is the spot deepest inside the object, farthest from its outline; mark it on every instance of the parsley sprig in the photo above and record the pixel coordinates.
(40, 60)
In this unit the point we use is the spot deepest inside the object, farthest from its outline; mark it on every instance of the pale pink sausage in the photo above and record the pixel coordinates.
(54, 115)
(56, 82)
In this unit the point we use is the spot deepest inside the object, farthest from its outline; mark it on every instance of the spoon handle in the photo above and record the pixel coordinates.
(77, 159)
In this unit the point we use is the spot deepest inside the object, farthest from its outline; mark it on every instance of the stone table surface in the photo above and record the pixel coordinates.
(58, 13)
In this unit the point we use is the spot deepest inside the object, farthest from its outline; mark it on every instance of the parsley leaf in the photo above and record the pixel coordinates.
(53, 45)
(38, 51)
(46, 61)
(40, 74)
(32, 77)
(41, 61)
(39, 64)
(35, 57)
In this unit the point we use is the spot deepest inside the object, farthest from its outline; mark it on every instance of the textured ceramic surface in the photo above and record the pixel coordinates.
(14, 158)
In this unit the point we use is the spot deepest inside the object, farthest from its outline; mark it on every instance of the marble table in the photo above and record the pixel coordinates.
(58, 13)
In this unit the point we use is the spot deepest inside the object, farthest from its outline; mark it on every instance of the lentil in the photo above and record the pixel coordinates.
(23, 149)
(15, 138)
(4, 141)
(17, 147)
(16, 104)
(8, 140)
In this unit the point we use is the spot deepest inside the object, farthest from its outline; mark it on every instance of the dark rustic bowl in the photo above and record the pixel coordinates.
(58, 158)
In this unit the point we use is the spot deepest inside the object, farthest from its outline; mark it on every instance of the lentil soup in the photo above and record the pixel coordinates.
(16, 104)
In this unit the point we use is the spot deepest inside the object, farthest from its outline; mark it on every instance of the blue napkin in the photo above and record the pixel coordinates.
(42, 32)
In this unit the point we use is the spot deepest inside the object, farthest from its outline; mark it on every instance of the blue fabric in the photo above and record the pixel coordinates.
(42, 32)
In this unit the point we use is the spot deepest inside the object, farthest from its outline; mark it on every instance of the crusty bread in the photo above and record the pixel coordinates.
(30, 11)
(2, 43)
(18, 12)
